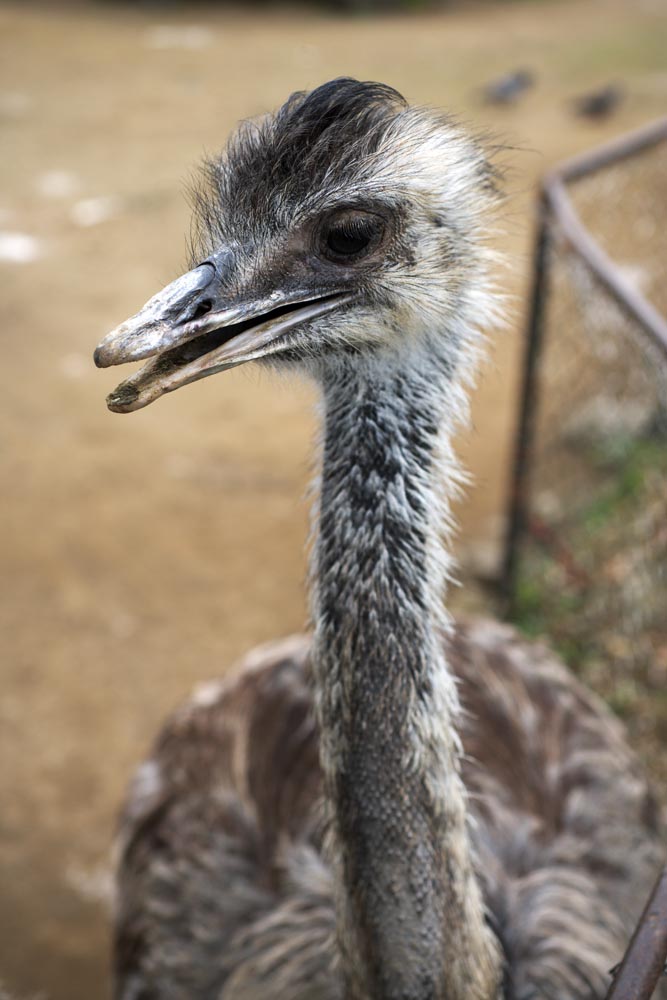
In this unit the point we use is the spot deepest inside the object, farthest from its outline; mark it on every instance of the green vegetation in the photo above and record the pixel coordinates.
(595, 582)
(625, 502)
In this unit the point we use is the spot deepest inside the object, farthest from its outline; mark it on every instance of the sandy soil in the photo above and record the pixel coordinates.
(143, 553)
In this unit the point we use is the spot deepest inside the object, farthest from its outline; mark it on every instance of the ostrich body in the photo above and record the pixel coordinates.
(508, 88)
(599, 103)
(399, 808)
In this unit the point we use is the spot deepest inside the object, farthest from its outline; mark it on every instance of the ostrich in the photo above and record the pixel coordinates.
(400, 808)
(599, 103)
(508, 88)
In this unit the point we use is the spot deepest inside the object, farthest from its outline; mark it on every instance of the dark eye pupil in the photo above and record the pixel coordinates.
(347, 240)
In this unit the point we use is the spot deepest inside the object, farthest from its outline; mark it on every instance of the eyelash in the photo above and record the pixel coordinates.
(351, 230)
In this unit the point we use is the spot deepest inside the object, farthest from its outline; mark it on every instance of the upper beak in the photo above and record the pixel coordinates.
(188, 337)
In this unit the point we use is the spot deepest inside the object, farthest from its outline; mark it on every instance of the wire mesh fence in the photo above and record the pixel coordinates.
(586, 556)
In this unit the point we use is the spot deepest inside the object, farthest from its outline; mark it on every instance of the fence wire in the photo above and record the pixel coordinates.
(586, 562)
(592, 556)
(595, 552)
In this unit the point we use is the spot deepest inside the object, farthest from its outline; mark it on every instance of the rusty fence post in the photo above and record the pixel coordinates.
(644, 961)
(516, 521)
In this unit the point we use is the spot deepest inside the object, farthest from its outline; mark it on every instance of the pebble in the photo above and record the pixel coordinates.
(57, 184)
(20, 248)
(92, 211)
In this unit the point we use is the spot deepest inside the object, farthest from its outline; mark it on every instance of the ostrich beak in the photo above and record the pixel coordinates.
(187, 337)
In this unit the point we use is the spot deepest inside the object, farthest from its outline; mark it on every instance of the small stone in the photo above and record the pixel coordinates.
(20, 248)
(57, 184)
(92, 211)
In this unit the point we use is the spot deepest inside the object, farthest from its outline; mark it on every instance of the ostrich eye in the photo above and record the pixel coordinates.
(351, 235)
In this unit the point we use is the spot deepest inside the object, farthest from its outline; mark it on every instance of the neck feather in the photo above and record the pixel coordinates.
(410, 917)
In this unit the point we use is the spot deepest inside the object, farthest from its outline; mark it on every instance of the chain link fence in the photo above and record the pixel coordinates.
(586, 555)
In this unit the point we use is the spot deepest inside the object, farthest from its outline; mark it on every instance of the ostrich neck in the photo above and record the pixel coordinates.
(409, 912)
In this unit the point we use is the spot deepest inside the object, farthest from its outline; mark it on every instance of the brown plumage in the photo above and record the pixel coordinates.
(400, 808)
(223, 890)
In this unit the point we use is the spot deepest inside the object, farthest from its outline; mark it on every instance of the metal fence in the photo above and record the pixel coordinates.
(586, 552)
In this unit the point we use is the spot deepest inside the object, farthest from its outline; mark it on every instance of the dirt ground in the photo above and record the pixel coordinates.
(141, 554)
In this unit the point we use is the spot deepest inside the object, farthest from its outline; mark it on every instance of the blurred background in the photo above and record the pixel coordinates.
(142, 554)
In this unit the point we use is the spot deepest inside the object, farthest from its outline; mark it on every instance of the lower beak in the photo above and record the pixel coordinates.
(187, 339)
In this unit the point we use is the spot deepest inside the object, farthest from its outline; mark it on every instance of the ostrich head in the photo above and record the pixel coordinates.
(347, 224)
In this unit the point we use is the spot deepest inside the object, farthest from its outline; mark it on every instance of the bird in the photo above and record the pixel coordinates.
(599, 103)
(396, 805)
(508, 88)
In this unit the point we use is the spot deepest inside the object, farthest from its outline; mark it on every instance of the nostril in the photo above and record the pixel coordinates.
(202, 309)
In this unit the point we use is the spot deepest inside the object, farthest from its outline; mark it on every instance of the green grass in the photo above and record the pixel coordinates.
(629, 479)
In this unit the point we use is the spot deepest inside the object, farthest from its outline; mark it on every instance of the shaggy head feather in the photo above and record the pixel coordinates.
(352, 147)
